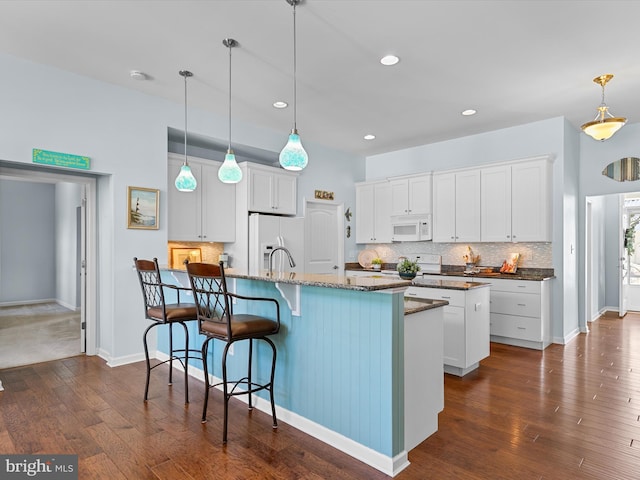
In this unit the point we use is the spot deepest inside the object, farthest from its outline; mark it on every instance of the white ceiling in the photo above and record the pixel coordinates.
(514, 61)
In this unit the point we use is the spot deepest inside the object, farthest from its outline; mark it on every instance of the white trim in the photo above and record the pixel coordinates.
(571, 336)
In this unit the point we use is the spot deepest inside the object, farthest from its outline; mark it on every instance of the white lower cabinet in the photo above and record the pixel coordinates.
(466, 325)
(521, 313)
(520, 310)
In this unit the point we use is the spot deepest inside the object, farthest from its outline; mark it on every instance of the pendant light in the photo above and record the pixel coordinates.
(605, 124)
(185, 181)
(293, 156)
(229, 171)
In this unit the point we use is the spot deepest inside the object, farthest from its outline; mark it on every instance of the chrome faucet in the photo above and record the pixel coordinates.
(285, 250)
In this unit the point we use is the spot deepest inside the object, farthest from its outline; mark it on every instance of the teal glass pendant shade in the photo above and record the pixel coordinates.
(185, 181)
(293, 156)
(229, 171)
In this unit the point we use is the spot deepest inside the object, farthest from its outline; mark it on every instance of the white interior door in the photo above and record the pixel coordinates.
(324, 244)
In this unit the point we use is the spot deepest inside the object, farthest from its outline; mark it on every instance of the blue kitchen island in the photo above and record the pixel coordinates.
(358, 366)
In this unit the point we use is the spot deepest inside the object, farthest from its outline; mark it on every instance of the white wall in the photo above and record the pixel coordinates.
(27, 242)
(125, 135)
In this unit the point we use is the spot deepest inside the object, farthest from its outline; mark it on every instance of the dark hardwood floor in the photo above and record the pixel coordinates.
(570, 412)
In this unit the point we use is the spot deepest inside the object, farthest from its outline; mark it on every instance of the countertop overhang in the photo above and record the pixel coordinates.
(365, 284)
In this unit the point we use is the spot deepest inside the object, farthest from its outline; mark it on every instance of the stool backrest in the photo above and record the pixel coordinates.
(209, 287)
(149, 276)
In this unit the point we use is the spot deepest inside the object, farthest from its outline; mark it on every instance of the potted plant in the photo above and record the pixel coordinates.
(408, 268)
(376, 263)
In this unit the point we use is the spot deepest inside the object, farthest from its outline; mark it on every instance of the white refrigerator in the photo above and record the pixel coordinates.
(267, 232)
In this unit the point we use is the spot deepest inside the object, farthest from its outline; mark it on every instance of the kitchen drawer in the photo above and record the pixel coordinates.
(454, 297)
(515, 286)
(512, 326)
(524, 304)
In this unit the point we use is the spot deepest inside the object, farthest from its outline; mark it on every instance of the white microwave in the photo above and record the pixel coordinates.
(411, 228)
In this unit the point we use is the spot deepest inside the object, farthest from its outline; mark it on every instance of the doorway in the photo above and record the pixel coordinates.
(75, 288)
(324, 244)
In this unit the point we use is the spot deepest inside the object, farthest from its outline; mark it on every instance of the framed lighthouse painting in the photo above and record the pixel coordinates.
(142, 208)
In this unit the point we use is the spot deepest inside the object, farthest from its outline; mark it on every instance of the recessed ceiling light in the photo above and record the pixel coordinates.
(369, 137)
(280, 104)
(389, 60)
(137, 75)
(469, 112)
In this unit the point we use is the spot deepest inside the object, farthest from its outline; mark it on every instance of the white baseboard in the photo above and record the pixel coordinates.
(28, 302)
(570, 336)
(68, 306)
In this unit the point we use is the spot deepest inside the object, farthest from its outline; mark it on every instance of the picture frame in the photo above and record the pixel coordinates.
(143, 208)
(179, 255)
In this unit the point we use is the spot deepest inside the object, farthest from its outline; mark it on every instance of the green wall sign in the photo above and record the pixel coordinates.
(46, 157)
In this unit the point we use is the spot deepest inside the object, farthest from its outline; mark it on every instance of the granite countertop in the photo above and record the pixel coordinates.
(415, 305)
(448, 284)
(533, 274)
(365, 284)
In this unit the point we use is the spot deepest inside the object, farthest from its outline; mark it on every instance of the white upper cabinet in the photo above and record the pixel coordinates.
(495, 201)
(516, 202)
(373, 212)
(456, 206)
(271, 190)
(411, 195)
(531, 214)
(206, 214)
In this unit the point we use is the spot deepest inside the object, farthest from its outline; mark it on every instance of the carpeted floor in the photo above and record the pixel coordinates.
(37, 333)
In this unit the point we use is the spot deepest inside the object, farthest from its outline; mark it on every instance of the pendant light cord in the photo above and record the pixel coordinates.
(185, 118)
(230, 46)
(295, 93)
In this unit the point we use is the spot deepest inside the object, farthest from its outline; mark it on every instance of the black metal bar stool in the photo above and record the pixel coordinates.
(161, 313)
(216, 320)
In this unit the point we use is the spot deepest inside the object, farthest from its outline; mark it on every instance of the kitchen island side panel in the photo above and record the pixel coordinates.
(338, 362)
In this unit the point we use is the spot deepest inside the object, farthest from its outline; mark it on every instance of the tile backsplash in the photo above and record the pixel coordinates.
(532, 255)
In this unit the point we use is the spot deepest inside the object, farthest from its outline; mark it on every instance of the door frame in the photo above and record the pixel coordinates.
(89, 309)
(339, 209)
(623, 222)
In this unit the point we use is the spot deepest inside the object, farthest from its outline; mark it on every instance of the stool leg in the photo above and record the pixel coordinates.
(249, 372)
(273, 374)
(186, 362)
(205, 366)
(146, 357)
(170, 354)
(226, 393)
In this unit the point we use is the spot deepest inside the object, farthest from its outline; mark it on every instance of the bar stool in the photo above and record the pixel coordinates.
(216, 320)
(162, 313)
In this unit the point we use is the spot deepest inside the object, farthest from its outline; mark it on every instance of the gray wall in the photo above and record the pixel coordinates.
(27, 242)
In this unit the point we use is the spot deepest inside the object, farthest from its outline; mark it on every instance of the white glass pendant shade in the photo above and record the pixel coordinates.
(293, 156)
(603, 127)
(229, 171)
(185, 181)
